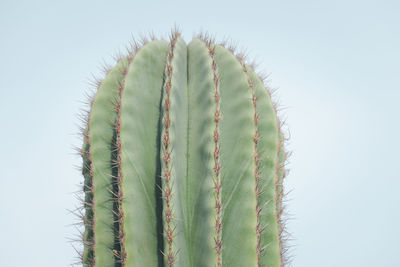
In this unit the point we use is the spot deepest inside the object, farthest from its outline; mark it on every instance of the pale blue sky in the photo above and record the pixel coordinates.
(336, 64)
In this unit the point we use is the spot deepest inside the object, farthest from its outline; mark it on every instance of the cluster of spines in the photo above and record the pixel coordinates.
(166, 157)
(119, 249)
(85, 212)
(88, 200)
(279, 191)
(281, 173)
(257, 190)
(217, 166)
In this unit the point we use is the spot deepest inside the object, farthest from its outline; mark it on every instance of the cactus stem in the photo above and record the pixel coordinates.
(183, 160)
(167, 191)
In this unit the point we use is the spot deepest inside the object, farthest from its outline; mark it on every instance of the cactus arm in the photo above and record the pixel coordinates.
(268, 146)
(237, 163)
(101, 124)
(199, 197)
(139, 153)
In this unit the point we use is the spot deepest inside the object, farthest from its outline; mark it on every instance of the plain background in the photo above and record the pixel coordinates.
(336, 64)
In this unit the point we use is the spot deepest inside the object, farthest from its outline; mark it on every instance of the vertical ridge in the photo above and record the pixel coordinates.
(199, 206)
(267, 148)
(166, 157)
(120, 251)
(217, 166)
(236, 133)
(256, 170)
(180, 185)
(100, 136)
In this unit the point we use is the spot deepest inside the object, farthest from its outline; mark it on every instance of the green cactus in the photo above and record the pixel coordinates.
(183, 161)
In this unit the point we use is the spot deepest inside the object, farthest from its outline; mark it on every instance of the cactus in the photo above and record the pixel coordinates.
(183, 161)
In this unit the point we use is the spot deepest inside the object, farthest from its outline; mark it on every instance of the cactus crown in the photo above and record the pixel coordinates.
(183, 161)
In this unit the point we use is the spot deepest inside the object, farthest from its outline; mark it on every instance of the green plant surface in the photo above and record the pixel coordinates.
(183, 161)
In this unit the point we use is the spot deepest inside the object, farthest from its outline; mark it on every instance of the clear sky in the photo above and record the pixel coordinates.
(336, 64)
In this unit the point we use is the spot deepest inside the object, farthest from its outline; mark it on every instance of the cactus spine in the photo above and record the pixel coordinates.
(183, 161)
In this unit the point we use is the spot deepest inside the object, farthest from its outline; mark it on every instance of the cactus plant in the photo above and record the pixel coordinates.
(182, 161)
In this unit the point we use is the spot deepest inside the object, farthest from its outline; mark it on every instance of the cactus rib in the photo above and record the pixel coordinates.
(256, 170)
(120, 250)
(102, 120)
(167, 175)
(199, 202)
(217, 166)
(268, 153)
(280, 176)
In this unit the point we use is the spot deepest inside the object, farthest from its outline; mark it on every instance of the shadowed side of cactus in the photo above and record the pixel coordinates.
(183, 161)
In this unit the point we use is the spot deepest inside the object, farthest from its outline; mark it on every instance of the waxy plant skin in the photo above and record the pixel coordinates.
(183, 161)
